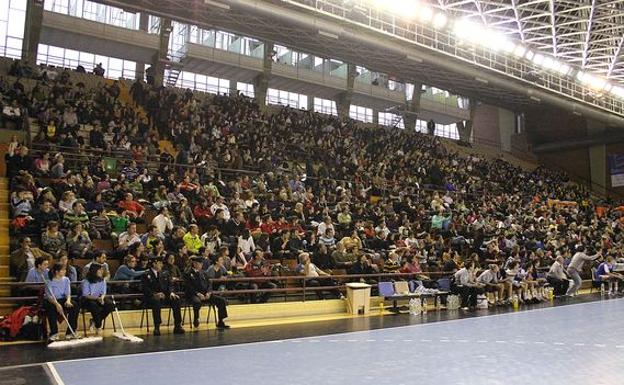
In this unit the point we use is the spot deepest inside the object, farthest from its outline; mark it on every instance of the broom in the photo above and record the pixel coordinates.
(77, 341)
(123, 335)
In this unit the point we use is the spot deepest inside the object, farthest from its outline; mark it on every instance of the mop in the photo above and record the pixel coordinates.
(123, 335)
(77, 341)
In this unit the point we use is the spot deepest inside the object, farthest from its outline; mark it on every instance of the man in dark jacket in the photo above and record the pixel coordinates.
(158, 291)
(198, 291)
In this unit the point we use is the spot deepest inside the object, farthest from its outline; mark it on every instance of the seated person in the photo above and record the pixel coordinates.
(557, 277)
(127, 272)
(465, 284)
(158, 291)
(315, 276)
(259, 267)
(606, 274)
(489, 279)
(58, 301)
(198, 291)
(134, 209)
(93, 296)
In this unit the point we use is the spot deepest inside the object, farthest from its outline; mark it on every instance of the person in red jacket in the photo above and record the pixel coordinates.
(259, 267)
(202, 213)
(132, 207)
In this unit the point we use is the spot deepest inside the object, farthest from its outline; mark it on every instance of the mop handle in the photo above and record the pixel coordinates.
(118, 316)
(55, 301)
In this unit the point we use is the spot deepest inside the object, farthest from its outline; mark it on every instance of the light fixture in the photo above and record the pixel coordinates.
(425, 14)
(529, 55)
(537, 59)
(440, 20)
(519, 51)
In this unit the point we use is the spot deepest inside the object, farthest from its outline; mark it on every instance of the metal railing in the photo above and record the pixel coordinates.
(445, 43)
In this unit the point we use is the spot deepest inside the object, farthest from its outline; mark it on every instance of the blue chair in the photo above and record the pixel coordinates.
(386, 289)
(444, 284)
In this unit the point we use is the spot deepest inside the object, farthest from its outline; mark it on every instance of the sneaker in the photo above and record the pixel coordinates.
(196, 323)
(156, 332)
(91, 325)
(98, 331)
(54, 337)
(178, 330)
(69, 336)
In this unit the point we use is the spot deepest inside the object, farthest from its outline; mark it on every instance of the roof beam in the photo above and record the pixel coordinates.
(553, 27)
(590, 23)
(515, 11)
(616, 55)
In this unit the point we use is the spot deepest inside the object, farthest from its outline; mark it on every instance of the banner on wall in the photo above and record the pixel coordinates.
(616, 166)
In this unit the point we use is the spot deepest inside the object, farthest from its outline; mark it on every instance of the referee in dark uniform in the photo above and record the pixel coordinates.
(158, 290)
(198, 291)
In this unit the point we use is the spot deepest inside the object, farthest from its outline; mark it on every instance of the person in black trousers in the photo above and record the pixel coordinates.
(198, 291)
(94, 296)
(158, 291)
(465, 284)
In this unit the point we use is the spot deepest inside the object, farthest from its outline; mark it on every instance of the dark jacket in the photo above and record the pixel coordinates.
(195, 282)
(152, 284)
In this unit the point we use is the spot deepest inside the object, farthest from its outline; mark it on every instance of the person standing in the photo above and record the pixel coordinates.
(158, 291)
(575, 267)
(198, 291)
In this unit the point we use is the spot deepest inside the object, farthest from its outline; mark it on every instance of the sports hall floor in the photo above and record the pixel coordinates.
(574, 341)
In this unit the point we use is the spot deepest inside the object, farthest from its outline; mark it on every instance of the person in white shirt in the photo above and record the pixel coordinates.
(220, 205)
(466, 286)
(162, 221)
(323, 226)
(575, 267)
(489, 278)
(129, 237)
(317, 277)
(557, 277)
(246, 244)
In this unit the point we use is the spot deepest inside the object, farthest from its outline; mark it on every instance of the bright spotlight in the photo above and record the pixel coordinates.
(439, 21)
(519, 51)
(564, 69)
(538, 59)
(509, 46)
(529, 55)
(425, 14)
(549, 63)
(580, 76)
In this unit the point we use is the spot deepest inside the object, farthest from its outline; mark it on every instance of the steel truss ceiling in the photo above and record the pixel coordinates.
(586, 33)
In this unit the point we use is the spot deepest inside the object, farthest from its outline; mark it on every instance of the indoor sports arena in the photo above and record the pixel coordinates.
(309, 192)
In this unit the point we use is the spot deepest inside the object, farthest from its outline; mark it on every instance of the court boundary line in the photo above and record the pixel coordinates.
(119, 356)
(55, 375)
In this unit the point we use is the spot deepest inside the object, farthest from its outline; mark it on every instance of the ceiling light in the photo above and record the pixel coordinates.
(425, 14)
(537, 59)
(529, 55)
(440, 20)
(519, 51)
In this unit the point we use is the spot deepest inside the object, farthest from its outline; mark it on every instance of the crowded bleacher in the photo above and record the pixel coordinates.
(119, 173)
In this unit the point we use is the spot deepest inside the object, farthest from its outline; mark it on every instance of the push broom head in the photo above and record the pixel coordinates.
(74, 343)
(127, 337)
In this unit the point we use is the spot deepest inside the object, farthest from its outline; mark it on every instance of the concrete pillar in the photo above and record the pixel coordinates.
(32, 30)
(261, 81)
(343, 100)
(139, 71)
(412, 108)
(465, 130)
(375, 116)
(310, 102)
(597, 159)
(161, 56)
(233, 87)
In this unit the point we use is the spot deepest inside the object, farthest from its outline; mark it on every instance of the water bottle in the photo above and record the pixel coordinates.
(515, 302)
(381, 308)
(424, 306)
(602, 289)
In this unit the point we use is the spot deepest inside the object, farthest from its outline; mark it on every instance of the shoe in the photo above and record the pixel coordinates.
(69, 336)
(91, 325)
(178, 330)
(222, 325)
(54, 337)
(196, 323)
(156, 332)
(98, 331)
